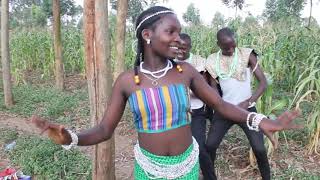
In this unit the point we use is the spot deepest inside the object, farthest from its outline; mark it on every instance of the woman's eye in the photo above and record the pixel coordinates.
(170, 31)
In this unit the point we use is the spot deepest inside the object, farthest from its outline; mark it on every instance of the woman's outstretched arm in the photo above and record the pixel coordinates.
(210, 96)
(99, 133)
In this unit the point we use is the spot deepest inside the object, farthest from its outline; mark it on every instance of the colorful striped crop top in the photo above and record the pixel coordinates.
(160, 109)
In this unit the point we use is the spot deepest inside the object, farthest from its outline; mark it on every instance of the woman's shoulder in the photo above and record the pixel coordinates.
(126, 75)
(125, 80)
(185, 65)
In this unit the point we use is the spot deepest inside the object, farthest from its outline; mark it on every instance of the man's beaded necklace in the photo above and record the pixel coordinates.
(232, 66)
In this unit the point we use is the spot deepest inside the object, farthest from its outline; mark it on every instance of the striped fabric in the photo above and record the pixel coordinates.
(160, 109)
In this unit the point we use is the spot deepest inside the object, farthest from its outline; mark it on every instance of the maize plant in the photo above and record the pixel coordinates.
(314, 130)
(32, 49)
(308, 90)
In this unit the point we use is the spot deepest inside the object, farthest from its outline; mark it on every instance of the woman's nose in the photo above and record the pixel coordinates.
(178, 39)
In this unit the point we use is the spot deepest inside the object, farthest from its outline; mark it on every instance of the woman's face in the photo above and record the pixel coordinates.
(165, 38)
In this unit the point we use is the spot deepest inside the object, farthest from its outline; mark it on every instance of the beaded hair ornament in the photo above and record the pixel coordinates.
(150, 16)
(136, 76)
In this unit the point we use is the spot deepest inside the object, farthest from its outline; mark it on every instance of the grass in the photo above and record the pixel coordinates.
(47, 102)
(40, 157)
(7, 135)
(43, 159)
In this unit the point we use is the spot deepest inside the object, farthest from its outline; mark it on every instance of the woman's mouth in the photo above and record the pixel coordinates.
(174, 51)
(174, 47)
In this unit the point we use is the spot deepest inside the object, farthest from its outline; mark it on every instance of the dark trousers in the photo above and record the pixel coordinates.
(220, 127)
(198, 128)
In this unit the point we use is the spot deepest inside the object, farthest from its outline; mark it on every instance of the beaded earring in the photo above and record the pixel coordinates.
(136, 79)
(136, 76)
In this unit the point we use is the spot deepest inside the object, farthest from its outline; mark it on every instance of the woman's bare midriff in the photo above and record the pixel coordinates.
(169, 143)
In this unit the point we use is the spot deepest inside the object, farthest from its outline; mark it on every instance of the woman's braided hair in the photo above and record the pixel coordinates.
(147, 19)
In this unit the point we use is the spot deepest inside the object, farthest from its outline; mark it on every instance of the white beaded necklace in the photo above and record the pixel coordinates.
(154, 73)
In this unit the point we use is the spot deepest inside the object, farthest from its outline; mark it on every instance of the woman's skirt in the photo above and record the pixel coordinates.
(183, 167)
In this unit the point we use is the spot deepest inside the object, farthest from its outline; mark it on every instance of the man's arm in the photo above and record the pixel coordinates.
(258, 73)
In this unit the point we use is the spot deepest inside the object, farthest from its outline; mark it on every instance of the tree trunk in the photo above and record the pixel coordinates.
(59, 72)
(310, 16)
(5, 54)
(120, 37)
(99, 78)
(235, 15)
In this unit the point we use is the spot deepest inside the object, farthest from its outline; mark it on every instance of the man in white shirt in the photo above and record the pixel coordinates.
(199, 110)
(233, 67)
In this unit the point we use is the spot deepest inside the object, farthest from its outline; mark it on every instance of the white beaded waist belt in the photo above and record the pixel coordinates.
(158, 170)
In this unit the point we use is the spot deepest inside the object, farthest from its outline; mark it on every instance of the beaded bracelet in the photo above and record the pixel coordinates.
(248, 119)
(256, 120)
(74, 140)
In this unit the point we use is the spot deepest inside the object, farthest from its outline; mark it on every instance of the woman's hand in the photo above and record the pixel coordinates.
(55, 132)
(283, 122)
(244, 104)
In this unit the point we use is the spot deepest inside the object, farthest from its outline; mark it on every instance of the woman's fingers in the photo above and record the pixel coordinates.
(55, 132)
(287, 117)
(294, 114)
(283, 122)
(273, 140)
(57, 127)
(38, 122)
(294, 126)
(60, 127)
(62, 131)
(44, 129)
(44, 125)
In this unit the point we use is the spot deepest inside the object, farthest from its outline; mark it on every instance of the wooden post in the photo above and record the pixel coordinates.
(5, 54)
(99, 78)
(310, 14)
(59, 72)
(122, 11)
